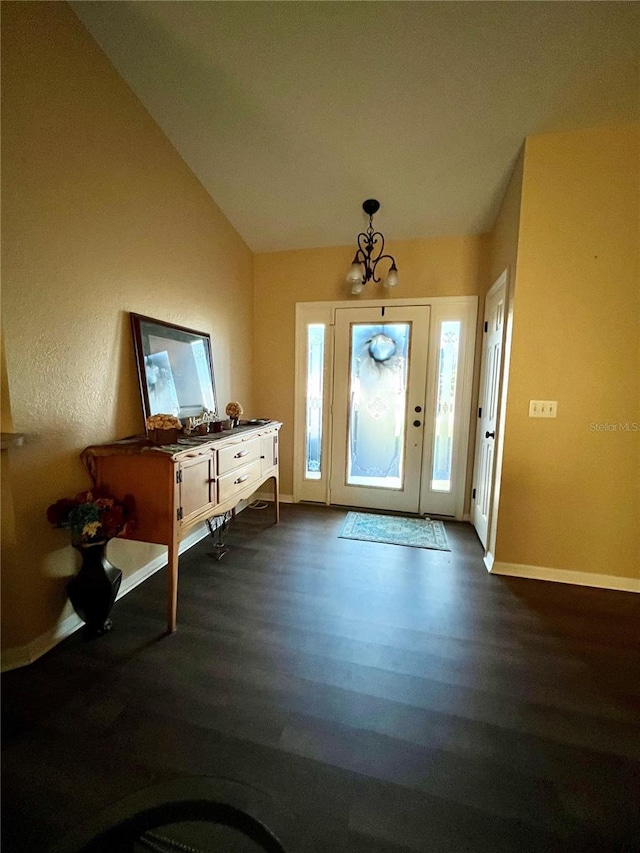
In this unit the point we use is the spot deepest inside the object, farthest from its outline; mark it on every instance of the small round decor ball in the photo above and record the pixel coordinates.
(233, 410)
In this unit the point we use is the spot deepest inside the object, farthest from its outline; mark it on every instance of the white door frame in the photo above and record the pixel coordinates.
(464, 308)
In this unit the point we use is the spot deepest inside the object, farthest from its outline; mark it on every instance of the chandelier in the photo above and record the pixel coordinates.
(369, 254)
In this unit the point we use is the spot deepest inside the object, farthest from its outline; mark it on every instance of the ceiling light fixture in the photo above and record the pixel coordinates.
(369, 254)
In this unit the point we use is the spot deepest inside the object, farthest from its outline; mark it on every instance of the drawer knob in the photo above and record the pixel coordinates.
(240, 454)
(241, 479)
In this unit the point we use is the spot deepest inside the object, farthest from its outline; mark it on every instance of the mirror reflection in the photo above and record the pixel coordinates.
(175, 368)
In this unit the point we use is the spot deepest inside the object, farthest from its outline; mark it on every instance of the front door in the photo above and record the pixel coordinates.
(379, 389)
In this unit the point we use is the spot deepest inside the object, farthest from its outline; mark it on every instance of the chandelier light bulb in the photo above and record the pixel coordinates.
(392, 277)
(355, 273)
(357, 287)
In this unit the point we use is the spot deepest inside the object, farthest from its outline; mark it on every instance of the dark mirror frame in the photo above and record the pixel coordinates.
(181, 376)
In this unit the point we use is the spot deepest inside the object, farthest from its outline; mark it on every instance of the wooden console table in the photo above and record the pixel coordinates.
(180, 485)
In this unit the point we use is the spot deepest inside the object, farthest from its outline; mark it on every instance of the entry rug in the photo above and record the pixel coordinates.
(395, 530)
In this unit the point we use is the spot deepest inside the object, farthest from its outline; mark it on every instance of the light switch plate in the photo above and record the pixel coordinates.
(543, 408)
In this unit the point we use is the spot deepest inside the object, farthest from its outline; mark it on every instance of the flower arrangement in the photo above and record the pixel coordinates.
(163, 429)
(234, 411)
(93, 516)
(163, 422)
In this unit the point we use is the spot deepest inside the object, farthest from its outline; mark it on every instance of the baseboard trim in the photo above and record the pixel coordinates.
(23, 655)
(543, 573)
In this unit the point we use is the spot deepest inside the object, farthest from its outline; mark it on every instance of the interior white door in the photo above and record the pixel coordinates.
(380, 371)
(490, 385)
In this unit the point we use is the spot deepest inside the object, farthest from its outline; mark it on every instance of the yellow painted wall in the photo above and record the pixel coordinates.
(501, 256)
(570, 488)
(100, 217)
(5, 401)
(447, 266)
(7, 521)
(503, 239)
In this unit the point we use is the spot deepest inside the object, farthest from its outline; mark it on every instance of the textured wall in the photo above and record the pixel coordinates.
(570, 495)
(100, 217)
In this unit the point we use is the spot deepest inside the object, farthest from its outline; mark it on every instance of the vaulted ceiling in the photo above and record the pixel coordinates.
(292, 113)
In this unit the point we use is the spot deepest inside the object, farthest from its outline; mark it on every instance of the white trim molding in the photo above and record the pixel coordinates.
(543, 573)
(23, 655)
(463, 308)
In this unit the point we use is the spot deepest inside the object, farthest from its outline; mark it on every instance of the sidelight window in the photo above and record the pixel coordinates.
(315, 376)
(445, 405)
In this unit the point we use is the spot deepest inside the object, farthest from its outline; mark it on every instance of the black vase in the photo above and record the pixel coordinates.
(93, 590)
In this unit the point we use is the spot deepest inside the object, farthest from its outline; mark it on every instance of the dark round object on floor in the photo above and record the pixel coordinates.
(198, 826)
(193, 815)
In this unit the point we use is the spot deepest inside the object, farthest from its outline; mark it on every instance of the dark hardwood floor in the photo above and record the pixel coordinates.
(366, 697)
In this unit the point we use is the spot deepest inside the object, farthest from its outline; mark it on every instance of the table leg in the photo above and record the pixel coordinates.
(276, 500)
(172, 587)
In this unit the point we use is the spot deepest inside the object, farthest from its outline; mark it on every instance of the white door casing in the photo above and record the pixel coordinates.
(434, 500)
(315, 487)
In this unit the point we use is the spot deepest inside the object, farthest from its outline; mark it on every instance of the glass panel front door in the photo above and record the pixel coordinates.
(377, 404)
(383, 394)
(378, 410)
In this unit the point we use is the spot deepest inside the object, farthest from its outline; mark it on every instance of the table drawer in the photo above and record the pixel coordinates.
(237, 481)
(242, 453)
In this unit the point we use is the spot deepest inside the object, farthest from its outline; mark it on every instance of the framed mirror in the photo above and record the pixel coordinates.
(175, 369)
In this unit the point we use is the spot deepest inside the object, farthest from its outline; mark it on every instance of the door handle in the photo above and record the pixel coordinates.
(490, 434)
(417, 423)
